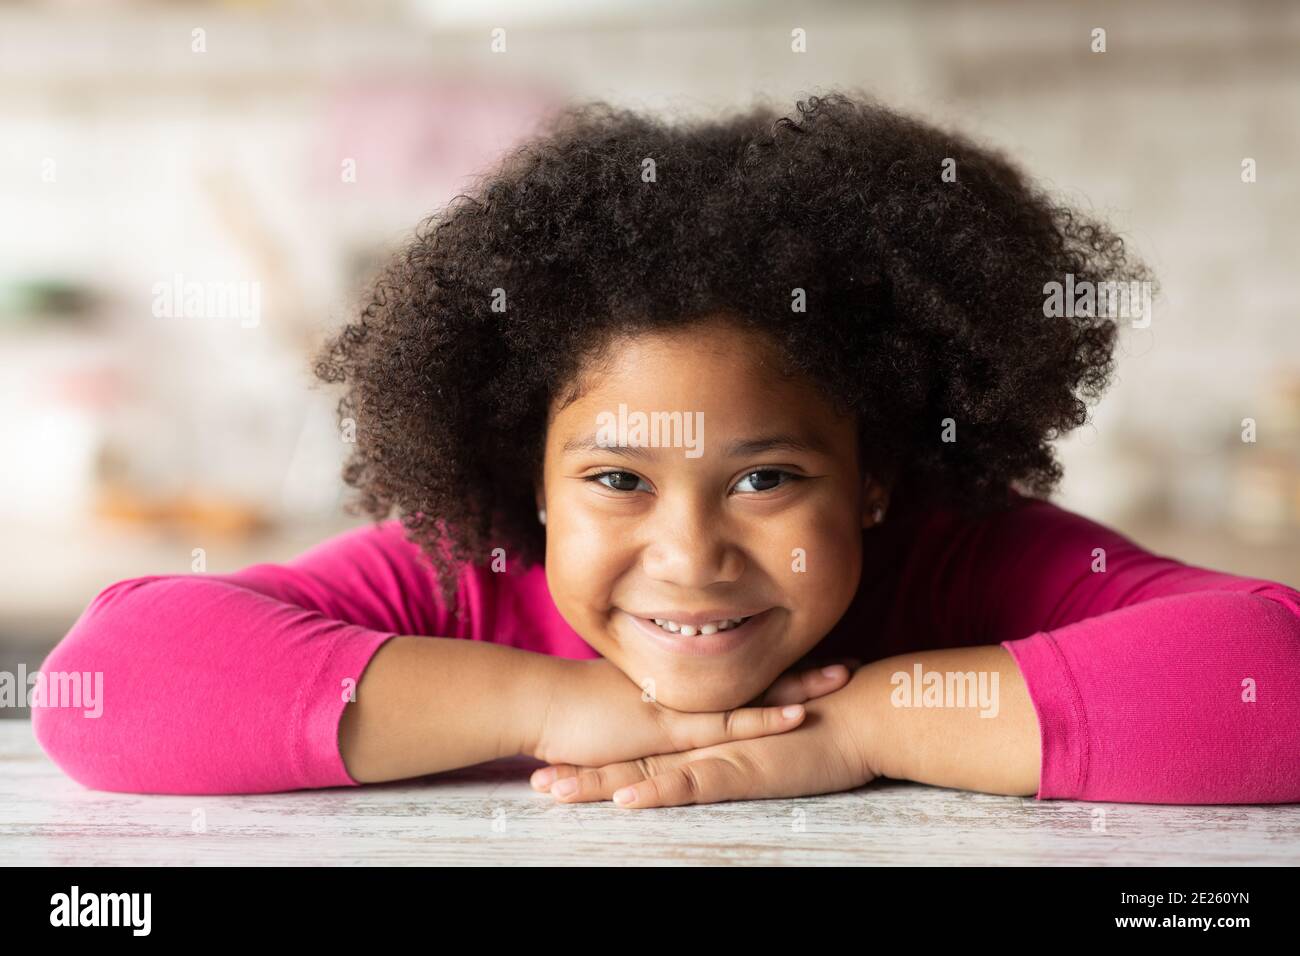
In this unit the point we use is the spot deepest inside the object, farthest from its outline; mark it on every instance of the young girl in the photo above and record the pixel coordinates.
(668, 413)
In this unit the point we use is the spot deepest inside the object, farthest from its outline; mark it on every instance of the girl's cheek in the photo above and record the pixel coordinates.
(582, 565)
(822, 576)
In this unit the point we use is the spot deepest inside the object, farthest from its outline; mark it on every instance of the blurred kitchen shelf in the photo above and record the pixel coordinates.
(54, 573)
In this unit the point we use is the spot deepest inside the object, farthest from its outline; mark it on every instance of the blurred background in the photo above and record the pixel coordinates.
(268, 154)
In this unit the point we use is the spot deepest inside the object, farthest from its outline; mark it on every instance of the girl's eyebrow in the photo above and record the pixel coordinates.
(741, 448)
(812, 444)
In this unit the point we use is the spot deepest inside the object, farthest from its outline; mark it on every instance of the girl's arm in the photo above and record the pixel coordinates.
(949, 746)
(318, 673)
(1140, 679)
(236, 683)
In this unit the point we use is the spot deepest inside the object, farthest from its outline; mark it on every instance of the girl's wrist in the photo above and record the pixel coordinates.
(870, 721)
(538, 681)
(951, 717)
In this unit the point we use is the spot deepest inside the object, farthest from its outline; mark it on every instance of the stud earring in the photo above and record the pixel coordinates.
(541, 515)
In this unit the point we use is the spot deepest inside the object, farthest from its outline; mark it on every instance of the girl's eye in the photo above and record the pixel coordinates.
(768, 478)
(623, 476)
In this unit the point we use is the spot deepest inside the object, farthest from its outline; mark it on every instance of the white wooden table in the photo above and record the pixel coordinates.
(489, 815)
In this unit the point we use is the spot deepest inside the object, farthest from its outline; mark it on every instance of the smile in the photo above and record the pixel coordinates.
(705, 638)
(711, 627)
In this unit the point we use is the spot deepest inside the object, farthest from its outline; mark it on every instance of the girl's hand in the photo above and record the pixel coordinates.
(596, 715)
(824, 755)
(807, 679)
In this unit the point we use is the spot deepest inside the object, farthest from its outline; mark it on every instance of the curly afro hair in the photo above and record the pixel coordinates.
(923, 301)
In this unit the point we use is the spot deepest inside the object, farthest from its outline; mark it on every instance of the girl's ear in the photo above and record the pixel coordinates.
(875, 502)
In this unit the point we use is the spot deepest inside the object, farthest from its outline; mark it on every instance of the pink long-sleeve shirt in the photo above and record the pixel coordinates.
(1153, 680)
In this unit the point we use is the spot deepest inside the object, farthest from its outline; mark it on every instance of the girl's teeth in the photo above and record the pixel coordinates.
(690, 630)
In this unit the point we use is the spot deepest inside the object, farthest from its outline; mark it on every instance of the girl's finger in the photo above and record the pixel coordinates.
(796, 687)
(542, 778)
(707, 780)
(694, 731)
(585, 784)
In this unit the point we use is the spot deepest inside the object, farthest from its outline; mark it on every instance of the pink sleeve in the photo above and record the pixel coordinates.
(1154, 681)
(235, 683)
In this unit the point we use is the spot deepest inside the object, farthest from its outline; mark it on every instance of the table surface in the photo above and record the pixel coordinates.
(488, 815)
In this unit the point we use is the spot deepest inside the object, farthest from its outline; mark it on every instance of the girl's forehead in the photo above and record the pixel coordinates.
(727, 402)
(738, 375)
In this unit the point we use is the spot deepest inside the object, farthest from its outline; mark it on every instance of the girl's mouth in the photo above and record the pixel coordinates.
(712, 627)
(715, 637)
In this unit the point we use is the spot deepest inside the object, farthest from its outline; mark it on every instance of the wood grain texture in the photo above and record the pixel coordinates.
(488, 815)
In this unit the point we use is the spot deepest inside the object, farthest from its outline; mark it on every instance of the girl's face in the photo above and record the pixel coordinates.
(749, 502)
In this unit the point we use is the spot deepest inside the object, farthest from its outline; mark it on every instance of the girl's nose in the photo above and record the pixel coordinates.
(692, 549)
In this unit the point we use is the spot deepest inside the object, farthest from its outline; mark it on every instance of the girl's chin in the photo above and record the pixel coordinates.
(702, 685)
(704, 703)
